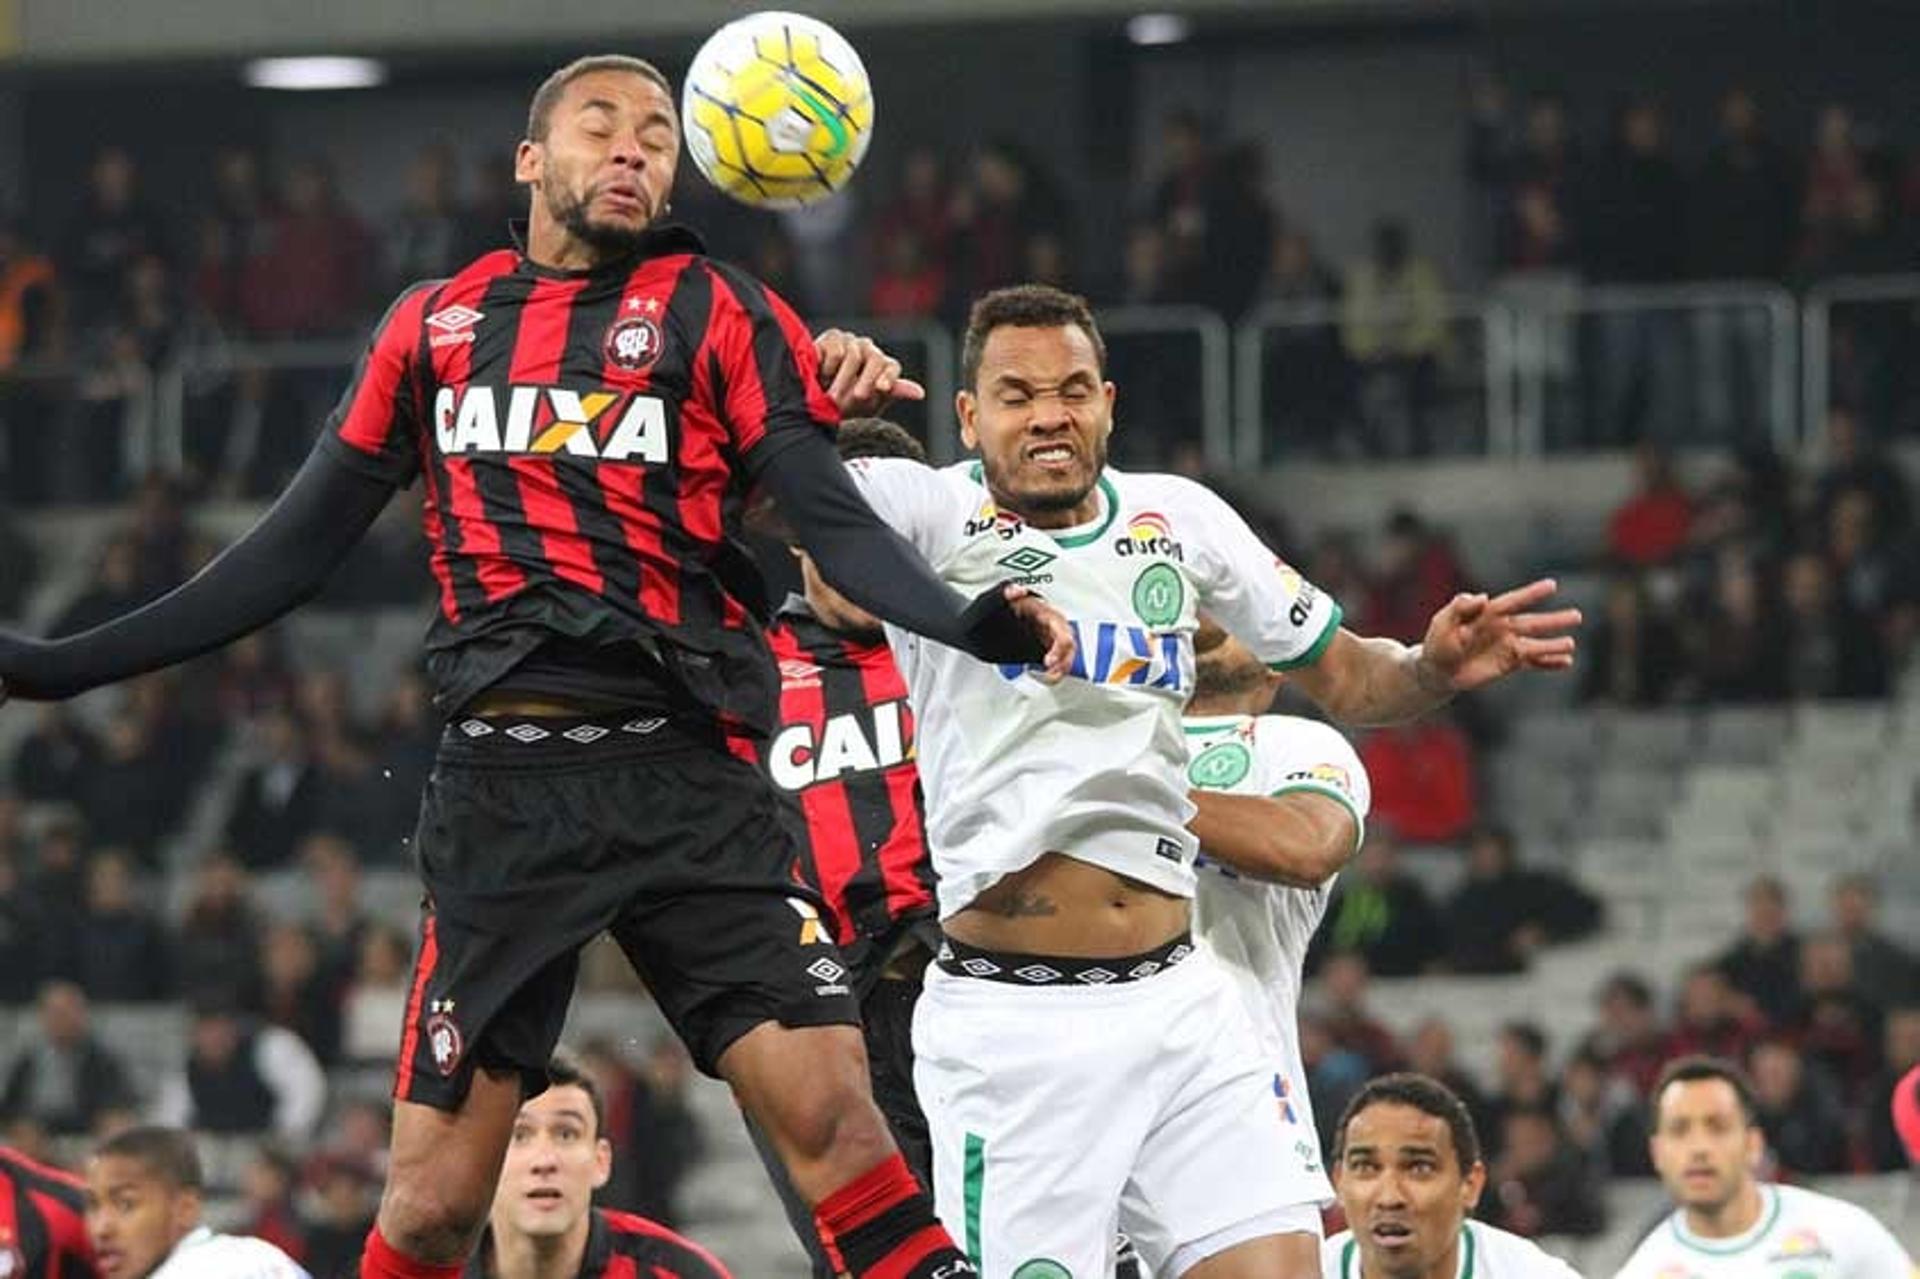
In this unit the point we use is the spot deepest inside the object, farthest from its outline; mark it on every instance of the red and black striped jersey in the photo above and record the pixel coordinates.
(584, 440)
(623, 1246)
(43, 1227)
(844, 750)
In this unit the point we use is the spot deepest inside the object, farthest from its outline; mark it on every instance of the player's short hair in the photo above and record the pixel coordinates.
(565, 1071)
(540, 110)
(860, 437)
(1026, 306)
(1423, 1093)
(1691, 1069)
(168, 1153)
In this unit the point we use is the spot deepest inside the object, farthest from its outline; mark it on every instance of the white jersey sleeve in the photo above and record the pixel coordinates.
(1867, 1249)
(1286, 620)
(916, 501)
(206, 1255)
(1307, 755)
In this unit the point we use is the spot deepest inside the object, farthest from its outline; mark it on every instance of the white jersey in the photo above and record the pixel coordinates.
(1094, 767)
(1261, 931)
(1800, 1235)
(206, 1255)
(1485, 1253)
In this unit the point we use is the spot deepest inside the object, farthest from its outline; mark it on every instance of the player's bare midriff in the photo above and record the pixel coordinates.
(1062, 906)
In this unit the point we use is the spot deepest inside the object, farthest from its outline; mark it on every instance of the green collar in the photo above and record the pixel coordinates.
(1352, 1250)
(1072, 540)
(1203, 725)
(1738, 1243)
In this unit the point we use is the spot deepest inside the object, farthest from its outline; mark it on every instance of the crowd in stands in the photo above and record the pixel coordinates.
(109, 284)
(1761, 585)
(1826, 1022)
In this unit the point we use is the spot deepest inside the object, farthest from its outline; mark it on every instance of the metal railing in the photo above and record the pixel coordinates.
(1535, 366)
(1305, 344)
(1888, 302)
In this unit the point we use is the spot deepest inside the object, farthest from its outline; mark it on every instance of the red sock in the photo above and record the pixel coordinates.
(380, 1260)
(880, 1225)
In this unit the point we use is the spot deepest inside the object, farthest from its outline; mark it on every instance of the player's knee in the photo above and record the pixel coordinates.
(430, 1211)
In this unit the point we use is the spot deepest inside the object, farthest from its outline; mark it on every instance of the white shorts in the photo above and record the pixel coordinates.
(1049, 1104)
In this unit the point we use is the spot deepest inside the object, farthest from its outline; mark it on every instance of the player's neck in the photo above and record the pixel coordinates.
(1085, 511)
(1735, 1217)
(521, 1256)
(552, 246)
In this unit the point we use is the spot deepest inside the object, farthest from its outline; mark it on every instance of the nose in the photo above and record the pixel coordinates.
(1389, 1192)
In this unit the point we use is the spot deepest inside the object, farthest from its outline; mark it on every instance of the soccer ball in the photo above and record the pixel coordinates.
(777, 109)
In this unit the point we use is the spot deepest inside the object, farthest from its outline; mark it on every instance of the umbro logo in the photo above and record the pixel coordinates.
(453, 325)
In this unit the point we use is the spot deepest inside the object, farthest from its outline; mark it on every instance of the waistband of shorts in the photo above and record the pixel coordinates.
(962, 960)
(518, 740)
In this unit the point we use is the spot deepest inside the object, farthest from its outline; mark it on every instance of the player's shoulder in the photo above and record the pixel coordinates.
(223, 1256)
(1653, 1251)
(32, 1175)
(1802, 1208)
(1508, 1256)
(1298, 733)
(633, 1235)
(1336, 1253)
(1137, 488)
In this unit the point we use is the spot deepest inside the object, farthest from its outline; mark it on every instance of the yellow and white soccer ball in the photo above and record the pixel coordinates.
(777, 110)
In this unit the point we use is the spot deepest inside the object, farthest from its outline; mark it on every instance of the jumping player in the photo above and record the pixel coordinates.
(843, 749)
(144, 1206)
(1071, 1044)
(544, 1225)
(1281, 806)
(1706, 1144)
(43, 1230)
(1408, 1168)
(585, 414)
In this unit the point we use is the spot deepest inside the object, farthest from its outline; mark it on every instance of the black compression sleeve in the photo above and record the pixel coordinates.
(280, 562)
(872, 565)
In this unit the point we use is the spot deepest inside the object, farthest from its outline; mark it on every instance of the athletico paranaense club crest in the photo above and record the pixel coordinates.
(633, 341)
(443, 1036)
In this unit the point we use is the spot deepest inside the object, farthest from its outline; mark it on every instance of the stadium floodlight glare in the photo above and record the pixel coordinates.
(315, 73)
(1159, 28)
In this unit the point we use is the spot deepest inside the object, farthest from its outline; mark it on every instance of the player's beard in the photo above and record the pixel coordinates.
(1049, 500)
(569, 211)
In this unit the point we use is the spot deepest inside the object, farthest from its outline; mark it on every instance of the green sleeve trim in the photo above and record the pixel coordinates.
(1331, 792)
(1320, 645)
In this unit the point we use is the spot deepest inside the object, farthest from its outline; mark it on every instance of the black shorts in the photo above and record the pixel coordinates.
(537, 834)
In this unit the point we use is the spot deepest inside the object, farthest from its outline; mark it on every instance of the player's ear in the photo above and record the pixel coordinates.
(1756, 1145)
(602, 1161)
(965, 407)
(529, 161)
(185, 1211)
(1472, 1184)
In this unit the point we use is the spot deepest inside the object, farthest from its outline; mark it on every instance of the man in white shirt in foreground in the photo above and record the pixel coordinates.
(1706, 1144)
(1407, 1170)
(144, 1215)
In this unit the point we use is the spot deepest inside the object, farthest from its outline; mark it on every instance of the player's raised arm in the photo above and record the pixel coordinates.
(1473, 641)
(365, 453)
(780, 416)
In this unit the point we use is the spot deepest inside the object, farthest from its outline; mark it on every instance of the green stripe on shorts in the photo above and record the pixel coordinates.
(975, 1177)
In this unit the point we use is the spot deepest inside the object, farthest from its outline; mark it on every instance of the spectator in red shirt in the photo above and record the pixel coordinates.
(311, 277)
(1713, 1021)
(1628, 1041)
(1343, 990)
(1651, 527)
(1423, 779)
(1419, 573)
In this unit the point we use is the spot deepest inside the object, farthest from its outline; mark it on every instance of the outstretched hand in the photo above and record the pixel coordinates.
(860, 377)
(1049, 626)
(1476, 640)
